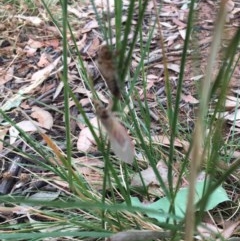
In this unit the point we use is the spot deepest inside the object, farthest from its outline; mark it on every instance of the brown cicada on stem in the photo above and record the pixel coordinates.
(107, 66)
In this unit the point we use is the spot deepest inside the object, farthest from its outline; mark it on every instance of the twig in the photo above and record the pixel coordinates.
(9, 176)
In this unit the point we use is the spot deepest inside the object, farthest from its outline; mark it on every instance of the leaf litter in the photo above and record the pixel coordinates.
(37, 64)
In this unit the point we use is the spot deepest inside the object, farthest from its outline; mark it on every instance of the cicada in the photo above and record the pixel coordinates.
(119, 139)
(107, 66)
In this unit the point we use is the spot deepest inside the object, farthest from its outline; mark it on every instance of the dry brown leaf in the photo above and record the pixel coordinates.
(6, 76)
(197, 77)
(179, 23)
(165, 141)
(229, 230)
(16, 209)
(91, 169)
(26, 126)
(43, 117)
(152, 77)
(30, 52)
(174, 67)
(189, 99)
(237, 123)
(92, 50)
(77, 13)
(42, 74)
(105, 4)
(230, 104)
(236, 154)
(219, 114)
(52, 42)
(84, 101)
(233, 116)
(139, 235)
(88, 161)
(183, 33)
(35, 44)
(87, 166)
(149, 176)
(60, 182)
(235, 11)
(88, 93)
(2, 27)
(89, 26)
(25, 105)
(86, 139)
(171, 38)
(35, 21)
(207, 231)
(44, 60)
(37, 79)
(58, 90)
(229, 7)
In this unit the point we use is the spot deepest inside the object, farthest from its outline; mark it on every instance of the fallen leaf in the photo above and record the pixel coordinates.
(189, 99)
(58, 90)
(36, 21)
(35, 44)
(236, 154)
(30, 52)
(179, 23)
(207, 231)
(26, 126)
(42, 74)
(173, 67)
(37, 79)
(230, 104)
(43, 117)
(139, 235)
(171, 38)
(233, 116)
(43, 61)
(17, 209)
(89, 26)
(197, 77)
(229, 230)
(165, 141)
(77, 13)
(92, 50)
(149, 177)
(52, 42)
(6, 76)
(86, 139)
(183, 33)
(230, 5)
(84, 101)
(91, 169)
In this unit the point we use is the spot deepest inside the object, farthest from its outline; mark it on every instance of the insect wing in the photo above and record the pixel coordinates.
(119, 138)
(121, 142)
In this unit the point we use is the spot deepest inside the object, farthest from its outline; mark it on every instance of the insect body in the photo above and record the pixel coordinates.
(107, 67)
(119, 138)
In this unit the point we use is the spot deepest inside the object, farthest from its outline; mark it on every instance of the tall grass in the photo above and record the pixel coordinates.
(89, 213)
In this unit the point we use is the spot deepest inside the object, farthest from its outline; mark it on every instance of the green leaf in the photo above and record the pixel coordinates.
(159, 209)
